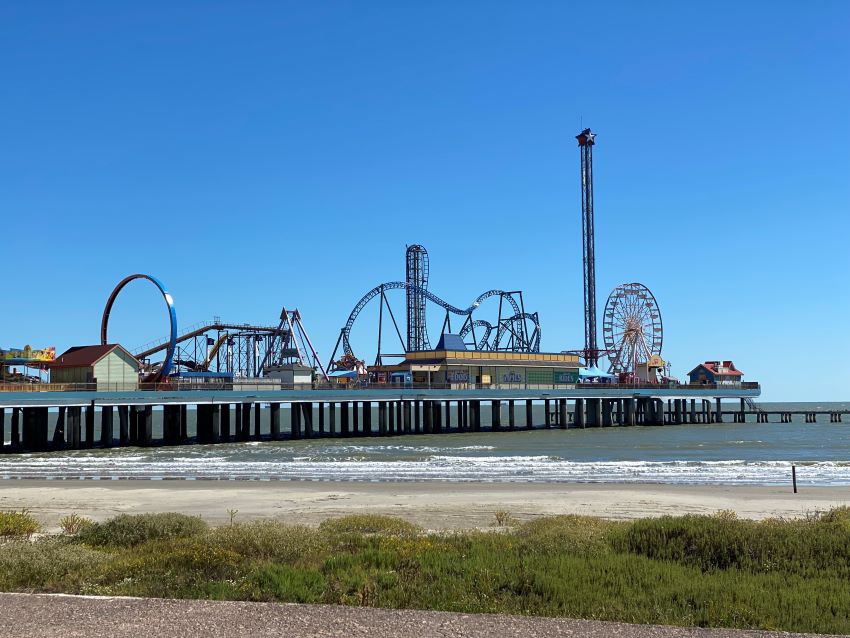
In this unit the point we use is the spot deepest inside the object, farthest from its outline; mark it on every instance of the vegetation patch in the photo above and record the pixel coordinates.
(18, 524)
(129, 530)
(709, 571)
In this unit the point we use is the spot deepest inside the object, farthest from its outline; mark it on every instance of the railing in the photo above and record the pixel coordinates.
(263, 384)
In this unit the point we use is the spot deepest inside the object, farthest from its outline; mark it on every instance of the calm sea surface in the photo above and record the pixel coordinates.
(751, 453)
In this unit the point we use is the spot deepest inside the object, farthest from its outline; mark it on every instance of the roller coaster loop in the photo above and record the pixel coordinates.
(172, 314)
(467, 312)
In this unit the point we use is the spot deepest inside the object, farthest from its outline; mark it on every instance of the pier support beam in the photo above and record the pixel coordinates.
(529, 414)
(146, 425)
(356, 430)
(332, 418)
(427, 417)
(321, 407)
(511, 415)
(563, 415)
(382, 418)
(343, 416)
(274, 421)
(89, 425)
(495, 415)
(718, 415)
(72, 427)
(406, 409)
(579, 418)
(58, 442)
(548, 414)
(257, 421)
(295, 420)
(607, 409)
(630, 412)
(366, 420)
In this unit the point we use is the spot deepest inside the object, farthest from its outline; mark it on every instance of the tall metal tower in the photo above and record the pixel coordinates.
(586, 141)
(417, 275)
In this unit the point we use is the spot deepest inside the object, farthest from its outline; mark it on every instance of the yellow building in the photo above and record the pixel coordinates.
(459, 369)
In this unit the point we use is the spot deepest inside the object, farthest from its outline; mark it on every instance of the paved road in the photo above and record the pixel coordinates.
(48, 616)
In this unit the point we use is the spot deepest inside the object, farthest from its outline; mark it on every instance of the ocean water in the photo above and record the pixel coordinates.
(728, 453)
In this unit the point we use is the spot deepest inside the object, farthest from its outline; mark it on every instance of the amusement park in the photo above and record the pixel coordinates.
(487, 351)
(495, 341)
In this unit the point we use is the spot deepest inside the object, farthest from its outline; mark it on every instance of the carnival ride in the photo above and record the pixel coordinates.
(219, 348)
(631, 324)
(518, 331)
(631, 327)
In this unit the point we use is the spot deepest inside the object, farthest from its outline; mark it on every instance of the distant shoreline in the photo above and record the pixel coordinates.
(433, 505)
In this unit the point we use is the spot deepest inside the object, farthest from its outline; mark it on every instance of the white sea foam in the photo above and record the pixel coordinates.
(433, 468)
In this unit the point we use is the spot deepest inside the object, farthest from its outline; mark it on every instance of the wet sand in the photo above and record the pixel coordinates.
(433, 505)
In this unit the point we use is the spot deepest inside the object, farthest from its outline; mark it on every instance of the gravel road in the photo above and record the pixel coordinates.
(60, 616)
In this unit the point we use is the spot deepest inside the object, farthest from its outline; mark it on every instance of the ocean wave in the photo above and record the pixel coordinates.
(543, 469)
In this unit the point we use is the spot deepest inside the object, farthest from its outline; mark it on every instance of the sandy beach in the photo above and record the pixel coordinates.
(433, 505)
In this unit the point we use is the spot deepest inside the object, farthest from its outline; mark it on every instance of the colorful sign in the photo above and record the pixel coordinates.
(27, 355)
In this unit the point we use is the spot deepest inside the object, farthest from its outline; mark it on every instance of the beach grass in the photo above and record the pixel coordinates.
(708, 571)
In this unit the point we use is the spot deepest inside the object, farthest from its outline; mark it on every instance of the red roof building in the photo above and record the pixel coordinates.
(720, 372)
(105, 367)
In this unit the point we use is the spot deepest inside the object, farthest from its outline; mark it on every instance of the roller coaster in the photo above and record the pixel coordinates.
(516, 332)
(217, 347)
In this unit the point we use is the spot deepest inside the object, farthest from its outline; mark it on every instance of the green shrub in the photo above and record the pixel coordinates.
(130, 530)
(46, 565)
(285, 584)
(18, 524)
(369, 524)
(268, 541)
(569, 534)
(806, 548)
(74, 523)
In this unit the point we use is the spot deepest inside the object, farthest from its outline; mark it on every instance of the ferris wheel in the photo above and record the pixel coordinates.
(631, 327)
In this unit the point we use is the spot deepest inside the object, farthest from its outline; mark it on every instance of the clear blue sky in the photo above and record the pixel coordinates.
(256, 154)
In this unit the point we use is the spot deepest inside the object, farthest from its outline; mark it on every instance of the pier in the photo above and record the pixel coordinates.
(47, 421)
